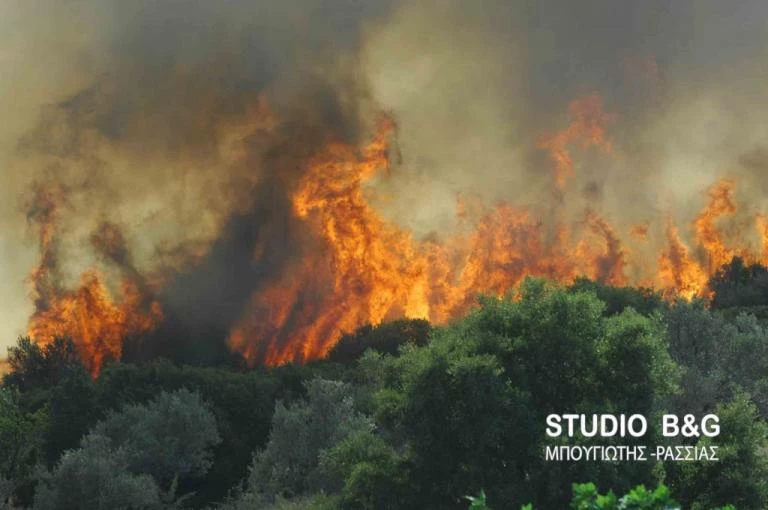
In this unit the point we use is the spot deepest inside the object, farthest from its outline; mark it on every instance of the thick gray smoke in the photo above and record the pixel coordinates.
(149, 115)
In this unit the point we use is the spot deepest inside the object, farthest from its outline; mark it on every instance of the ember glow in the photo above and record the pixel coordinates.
(263, 194)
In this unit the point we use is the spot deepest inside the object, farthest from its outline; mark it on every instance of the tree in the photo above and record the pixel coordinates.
(95, 477)
(72, 411)
(33, 366)
(694, 335)
(169, 438)
(737, 284)
(462, 422)
(300, 432)
(242, 403)
(617, 299)
(367, 473)
(385, 338)
(21, 442)
(741, 475)
(743, 358)
(721, 357)
(134, 457)
(468, 408)
(587, 497)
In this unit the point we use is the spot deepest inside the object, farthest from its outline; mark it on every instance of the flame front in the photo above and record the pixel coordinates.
(369, 270)
(356, 266)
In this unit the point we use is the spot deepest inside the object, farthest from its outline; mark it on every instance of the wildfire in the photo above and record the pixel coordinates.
(639, 231)
(96, 323)
(366, 270)
(357, 267)
(679, 272)
(88, 314)
(588, 123)
(369, 269)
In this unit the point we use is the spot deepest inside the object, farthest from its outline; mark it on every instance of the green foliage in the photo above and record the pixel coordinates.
(21, 443)
(72, 411)
(242, 404)
(694, 336)
(478, 502)
(386, 338)
(95, 477)
(467, 409)
(134, 457)
(6, 494)
(288, 465)
(33, 366)
(633, 357)
(743, 360)
(367, 473)
(586, 497)
(617, 299)
(169, 438)
(423, 416)
(741, 475)
(254, 501)
(739, 285)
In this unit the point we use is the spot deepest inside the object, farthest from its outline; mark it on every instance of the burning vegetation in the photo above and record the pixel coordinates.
(251, 197)
(361, 268)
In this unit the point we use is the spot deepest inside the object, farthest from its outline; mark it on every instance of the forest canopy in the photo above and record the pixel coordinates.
(409, 415)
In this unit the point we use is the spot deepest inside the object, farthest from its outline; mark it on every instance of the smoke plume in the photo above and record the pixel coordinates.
(228, 181)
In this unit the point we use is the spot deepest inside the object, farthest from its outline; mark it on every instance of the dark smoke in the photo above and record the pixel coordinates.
(147, 117)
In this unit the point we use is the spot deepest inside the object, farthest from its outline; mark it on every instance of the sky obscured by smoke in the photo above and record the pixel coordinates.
(148, 113)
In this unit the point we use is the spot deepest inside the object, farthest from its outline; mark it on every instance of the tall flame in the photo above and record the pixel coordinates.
(358, 267)
(369, 269)
(88, 314)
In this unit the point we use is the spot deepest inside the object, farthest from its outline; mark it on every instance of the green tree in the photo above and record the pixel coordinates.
(21, 443)
(242, 403)
(740, 476)
(72, 411)
(134, 457)
(169, 438)
(33, 366)
(587, 497)
(385, 338)
(694, 336)
(288, 466)
(738, 285)
(617, 299)
(367, 473)
(468, 409)
(96, 477)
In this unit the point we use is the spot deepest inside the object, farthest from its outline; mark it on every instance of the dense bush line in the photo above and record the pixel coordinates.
(406, 415)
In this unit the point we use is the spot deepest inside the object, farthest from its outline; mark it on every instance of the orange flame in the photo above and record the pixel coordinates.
(588, 122)
(679, 273)
(639, 231)
(88, 315)
(367, 269)
(357, 267)
(97, 324)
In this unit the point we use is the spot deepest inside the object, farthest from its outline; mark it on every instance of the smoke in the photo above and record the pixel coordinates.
(171, 135)
(150, 118)
(473, 87)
